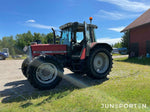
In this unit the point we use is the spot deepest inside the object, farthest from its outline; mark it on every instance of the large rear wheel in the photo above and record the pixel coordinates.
(44, 73)
(99, 63)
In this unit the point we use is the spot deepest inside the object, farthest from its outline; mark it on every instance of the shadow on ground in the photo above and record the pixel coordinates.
(22, 91)
(141, 61)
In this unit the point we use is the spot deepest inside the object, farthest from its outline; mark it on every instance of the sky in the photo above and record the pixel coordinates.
(111, 16)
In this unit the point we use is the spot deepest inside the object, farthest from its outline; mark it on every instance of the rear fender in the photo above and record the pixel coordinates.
(95, 45)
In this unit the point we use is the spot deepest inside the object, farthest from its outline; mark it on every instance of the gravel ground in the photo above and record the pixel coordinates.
(14, 84)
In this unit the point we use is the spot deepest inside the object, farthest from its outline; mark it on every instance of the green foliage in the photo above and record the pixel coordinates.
(37, 36)
(125, 40)
(21, 40)
(48, 38)
(0, 45)
(117, 45)
(8, 42)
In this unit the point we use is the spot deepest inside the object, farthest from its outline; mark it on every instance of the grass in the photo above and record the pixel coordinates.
(116, 54)
(142, 60)
(129, 83)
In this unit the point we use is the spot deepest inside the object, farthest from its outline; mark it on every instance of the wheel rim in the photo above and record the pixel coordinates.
(46, 73)
(101, 62)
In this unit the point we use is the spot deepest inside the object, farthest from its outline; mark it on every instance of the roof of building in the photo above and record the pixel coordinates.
(142, 20)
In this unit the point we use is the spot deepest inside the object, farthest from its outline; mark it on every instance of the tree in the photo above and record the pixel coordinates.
(9, 42)
(0, 45)
(49, 38)
(37, 36)
(117, 45)
(21, 40)
(125, 40)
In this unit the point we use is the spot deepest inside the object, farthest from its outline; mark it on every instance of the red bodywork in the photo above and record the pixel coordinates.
(83, 54)
(49, 49)
(92, 44)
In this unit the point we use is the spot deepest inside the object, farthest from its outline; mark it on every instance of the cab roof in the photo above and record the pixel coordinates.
(75, 24)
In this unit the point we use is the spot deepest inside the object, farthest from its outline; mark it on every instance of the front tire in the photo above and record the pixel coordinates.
(99, 63)
(24, 66)
(44, 73)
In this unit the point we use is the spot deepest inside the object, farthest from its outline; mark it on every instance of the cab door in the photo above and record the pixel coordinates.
(85, 48)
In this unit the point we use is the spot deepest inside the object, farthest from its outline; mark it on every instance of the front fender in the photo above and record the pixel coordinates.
(45, 57)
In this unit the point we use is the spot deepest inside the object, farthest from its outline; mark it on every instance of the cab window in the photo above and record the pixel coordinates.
(65, 37)
(79, 36)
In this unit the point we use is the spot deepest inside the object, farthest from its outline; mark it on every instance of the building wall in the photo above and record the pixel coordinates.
(140, 35)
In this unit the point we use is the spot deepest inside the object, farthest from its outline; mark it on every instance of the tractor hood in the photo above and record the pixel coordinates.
(49, 49)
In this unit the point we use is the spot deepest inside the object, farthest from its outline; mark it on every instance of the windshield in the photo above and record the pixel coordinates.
(79, 36)
(93, 34)
(87, 32)
(88, 35)
(65, 37)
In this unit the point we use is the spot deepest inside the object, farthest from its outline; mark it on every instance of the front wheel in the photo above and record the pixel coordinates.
(99, 63)
(44, 74)
(24, 66)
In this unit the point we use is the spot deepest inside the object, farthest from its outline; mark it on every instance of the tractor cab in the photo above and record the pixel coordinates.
(77, 36)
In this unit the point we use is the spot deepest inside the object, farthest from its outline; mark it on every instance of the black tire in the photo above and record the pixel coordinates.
(38, 81)
(103, 63)
(77, 72)
(24, 66)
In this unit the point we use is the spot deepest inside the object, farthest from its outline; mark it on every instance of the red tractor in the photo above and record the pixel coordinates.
(77, 51)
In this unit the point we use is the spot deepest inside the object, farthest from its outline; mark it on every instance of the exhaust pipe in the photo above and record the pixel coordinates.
(54, 36)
